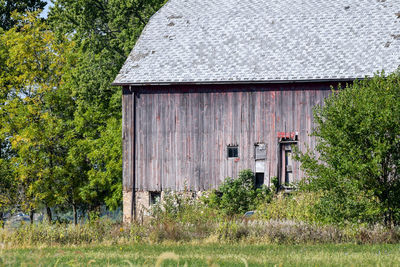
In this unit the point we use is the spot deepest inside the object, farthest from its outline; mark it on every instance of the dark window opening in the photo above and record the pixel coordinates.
(233, 152)
(259, 179)
(155, 197)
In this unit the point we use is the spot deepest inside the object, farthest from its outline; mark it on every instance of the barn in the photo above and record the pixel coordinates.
(216, 86)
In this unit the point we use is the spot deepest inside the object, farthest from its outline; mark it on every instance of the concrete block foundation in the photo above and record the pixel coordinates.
(142, 205)
(126, 206)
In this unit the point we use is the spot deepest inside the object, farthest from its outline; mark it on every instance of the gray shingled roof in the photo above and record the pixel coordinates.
(211, 41)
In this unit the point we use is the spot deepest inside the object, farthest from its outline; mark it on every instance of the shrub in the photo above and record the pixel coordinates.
(323, 208)
(342, 206)
(236, 196)
(357, 158)
(296, 206)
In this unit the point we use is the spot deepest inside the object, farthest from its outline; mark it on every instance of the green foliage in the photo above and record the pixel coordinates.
(343, 205)
(104, 33)
(322, 208)
(109, 26)
(296, 206)
(60, 118)
(8, 188)
(275, 183)
(21, 6)
(236, 196)
(31, 113)
(358, 152)
(105, 177)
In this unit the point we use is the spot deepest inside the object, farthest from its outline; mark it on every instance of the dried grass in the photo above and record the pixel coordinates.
(224, 231)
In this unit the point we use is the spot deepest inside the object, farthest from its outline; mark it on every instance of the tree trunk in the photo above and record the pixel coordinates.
(75, 214)
(49, 215)
(31, 213)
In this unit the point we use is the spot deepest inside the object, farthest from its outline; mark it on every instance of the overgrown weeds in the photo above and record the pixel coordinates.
(183, 217)
(194, 221)
(224, 231)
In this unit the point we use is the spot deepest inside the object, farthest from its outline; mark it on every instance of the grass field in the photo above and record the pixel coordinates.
(206, 255)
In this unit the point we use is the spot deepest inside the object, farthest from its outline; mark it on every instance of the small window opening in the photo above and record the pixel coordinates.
(155, 197)
(233, 152)
(259, 179)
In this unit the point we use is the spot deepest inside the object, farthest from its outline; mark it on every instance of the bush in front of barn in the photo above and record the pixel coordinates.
(296, 206)
(321, 208)
(355, 164)
(238, 195)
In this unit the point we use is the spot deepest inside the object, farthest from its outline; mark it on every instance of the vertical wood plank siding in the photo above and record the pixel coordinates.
(183, 132)
(127, 138)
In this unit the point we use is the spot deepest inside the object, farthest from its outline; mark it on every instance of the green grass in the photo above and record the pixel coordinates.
(206, 255)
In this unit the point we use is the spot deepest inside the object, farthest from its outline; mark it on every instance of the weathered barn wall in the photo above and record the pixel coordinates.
(128, 152)
(182, 132)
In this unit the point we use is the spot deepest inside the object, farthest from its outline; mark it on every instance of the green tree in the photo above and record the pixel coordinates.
(20, 6)
(104, 33)
(6, 172)
(60, 116)
(32, 111)
(356, 161)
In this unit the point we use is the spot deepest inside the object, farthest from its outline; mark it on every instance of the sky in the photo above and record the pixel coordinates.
(46, 9)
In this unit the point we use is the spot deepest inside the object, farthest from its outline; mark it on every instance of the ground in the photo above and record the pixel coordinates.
(206, 255)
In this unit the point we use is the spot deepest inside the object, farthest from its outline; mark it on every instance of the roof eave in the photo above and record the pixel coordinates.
(237, 82)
